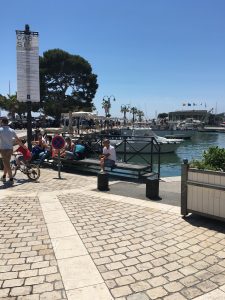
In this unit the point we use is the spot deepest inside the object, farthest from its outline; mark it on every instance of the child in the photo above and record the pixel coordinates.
(26, 154)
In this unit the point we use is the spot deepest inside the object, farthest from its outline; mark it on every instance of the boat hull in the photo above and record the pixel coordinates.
(145, 148)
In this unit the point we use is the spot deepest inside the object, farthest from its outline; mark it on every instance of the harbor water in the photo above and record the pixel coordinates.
(188, 149)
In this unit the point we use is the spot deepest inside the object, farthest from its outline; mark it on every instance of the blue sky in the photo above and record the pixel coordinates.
(152, 54)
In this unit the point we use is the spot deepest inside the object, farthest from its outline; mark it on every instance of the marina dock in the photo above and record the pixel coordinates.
(212, 129)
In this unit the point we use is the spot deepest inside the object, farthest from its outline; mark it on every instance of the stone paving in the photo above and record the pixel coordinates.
(63, 239)
(145, 253)
(28, 267)
(48, 181)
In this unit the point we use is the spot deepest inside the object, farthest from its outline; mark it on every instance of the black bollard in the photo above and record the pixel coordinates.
(103, 181)
(152, 188)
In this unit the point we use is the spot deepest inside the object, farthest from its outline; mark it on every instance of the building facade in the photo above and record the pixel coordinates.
(181, 115)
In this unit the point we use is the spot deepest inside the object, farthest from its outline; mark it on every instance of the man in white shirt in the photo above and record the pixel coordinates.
(7, 136)
(108, 157)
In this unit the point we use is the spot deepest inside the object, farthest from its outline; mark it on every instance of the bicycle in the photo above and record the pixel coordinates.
(32, 170)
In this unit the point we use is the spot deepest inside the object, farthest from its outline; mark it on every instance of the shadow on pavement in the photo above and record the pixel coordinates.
(201, 221)
(17, 182)
(138, 191)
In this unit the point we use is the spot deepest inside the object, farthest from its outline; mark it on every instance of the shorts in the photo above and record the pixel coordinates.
(69, 155)
(6, 156)
(109, 163)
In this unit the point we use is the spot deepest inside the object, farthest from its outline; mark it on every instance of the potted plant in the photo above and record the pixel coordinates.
(203, 185)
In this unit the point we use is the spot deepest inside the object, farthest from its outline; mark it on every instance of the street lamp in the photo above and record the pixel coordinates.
(106, 104)
(133, 110)
(124, 109)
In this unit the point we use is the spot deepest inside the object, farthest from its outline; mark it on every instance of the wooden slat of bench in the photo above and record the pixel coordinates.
(131, 166)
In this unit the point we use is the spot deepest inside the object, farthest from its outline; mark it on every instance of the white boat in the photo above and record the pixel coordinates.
(139, 140)
(190, 124)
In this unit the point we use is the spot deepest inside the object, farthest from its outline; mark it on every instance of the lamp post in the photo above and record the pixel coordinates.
(106, 104)
(133, 110)
(124, 109)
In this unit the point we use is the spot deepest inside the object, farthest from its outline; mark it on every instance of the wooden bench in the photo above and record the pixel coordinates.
(127, 170)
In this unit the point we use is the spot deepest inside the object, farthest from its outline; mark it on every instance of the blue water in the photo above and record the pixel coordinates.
(189, 149)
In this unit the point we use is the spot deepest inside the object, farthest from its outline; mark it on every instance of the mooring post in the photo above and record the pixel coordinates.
(152, 187)
(103, 181)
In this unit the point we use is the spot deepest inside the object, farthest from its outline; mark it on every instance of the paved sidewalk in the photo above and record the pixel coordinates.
(63, 239)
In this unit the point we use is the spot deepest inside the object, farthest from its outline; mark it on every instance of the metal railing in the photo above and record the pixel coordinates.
(129, 150)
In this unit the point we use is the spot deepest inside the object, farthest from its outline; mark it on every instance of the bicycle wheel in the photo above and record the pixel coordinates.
(33, 172)
(13, 167)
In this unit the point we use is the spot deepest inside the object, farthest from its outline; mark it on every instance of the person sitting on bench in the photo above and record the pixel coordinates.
(67, 151)
(108, 157)
(78, 152)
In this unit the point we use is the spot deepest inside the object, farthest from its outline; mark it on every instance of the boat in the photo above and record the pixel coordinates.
(189, 124)
(140, 140)
(178, 136)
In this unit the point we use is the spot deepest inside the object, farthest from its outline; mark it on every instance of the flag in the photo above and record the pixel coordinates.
(194, 104)
(184, 104)
(189, 104)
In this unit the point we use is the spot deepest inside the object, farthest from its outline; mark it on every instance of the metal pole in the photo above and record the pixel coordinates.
(29, 125)
(125, 149)
(59, 164)
(29, 117)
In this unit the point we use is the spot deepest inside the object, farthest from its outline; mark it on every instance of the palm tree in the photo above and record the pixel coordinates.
(124, 109)
(133, 110)
(140, 114)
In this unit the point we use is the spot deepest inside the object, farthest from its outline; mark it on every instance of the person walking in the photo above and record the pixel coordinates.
(7, 137)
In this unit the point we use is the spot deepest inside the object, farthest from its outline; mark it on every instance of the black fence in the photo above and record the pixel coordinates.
(129, 150)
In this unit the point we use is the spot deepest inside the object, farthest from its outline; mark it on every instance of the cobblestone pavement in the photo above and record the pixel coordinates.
(146, 253)
(63, 239)
(28, 268)
(48, 181)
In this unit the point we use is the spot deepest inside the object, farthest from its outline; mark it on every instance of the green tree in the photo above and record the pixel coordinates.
(124, 109)
(66, 83)
(133, 110)
(140, 114)
(2, 101)
(162, 115)
(13, 106)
